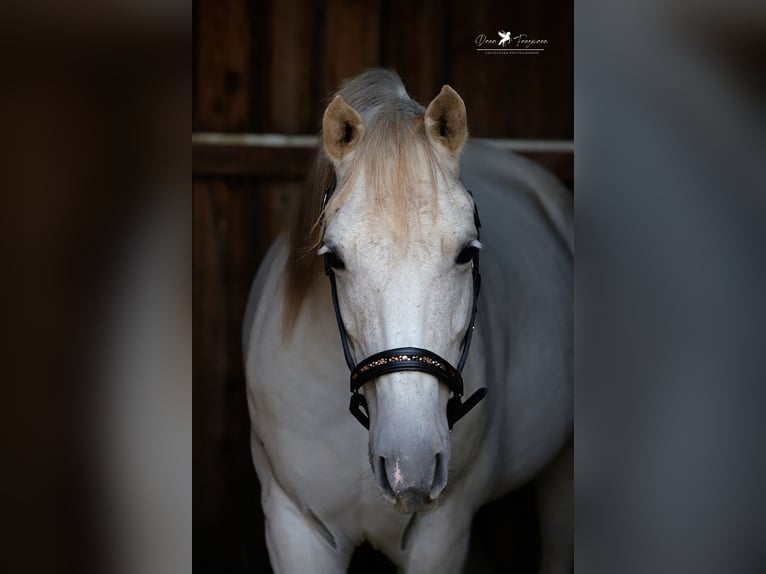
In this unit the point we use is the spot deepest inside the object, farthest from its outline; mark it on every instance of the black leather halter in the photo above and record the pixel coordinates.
(407, 358)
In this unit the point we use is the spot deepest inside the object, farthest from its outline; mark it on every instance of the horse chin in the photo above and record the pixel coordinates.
(410, 504)
(410, 501)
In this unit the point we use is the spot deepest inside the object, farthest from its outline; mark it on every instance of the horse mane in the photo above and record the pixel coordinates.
(392, 139)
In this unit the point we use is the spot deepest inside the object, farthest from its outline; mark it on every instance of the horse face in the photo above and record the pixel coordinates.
(396, 292)
(417, 295)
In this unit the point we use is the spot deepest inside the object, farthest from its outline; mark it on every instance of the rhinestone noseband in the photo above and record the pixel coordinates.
(407, 358)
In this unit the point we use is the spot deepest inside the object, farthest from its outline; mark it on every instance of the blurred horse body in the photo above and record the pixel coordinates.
(320, 497)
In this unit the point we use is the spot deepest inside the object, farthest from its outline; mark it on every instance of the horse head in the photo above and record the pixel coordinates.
(400, 240)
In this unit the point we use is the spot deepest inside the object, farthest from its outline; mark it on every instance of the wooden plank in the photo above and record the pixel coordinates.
(228, 243)
(279, 205)
(225, 73)
(282, 163)
(293, 73)
(415, 45)
(209, 355)
(351, 41)
(292, 163)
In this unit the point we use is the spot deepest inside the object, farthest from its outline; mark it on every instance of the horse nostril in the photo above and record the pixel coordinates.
(440, 476)
(382, 476)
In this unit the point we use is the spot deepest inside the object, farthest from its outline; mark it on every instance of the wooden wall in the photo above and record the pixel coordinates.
(267, 67)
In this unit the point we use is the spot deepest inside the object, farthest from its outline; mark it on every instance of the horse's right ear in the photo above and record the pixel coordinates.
(341, 128)
(445, 120)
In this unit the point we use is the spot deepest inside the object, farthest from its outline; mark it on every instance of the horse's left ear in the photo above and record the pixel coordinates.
(341, 128)
(445, 121)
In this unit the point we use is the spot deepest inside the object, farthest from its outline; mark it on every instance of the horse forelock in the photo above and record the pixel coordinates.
(393, 162)
(396, 172)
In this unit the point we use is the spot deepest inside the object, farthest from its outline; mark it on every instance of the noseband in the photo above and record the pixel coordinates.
(407, 358)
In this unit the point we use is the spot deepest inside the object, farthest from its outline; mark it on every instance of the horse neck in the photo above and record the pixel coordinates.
(318, 326)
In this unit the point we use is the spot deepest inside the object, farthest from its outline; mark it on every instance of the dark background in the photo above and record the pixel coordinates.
(268, 67)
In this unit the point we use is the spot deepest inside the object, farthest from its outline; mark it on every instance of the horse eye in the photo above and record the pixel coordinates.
(335, 261)
(467, 254)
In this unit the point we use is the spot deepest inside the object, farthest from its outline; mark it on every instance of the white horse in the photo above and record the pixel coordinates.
(505, 38)
(400, 236)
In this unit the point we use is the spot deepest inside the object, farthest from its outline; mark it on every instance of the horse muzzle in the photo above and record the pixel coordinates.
(412, 483)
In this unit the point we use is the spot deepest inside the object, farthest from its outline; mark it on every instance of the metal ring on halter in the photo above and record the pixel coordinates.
(407, 358)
